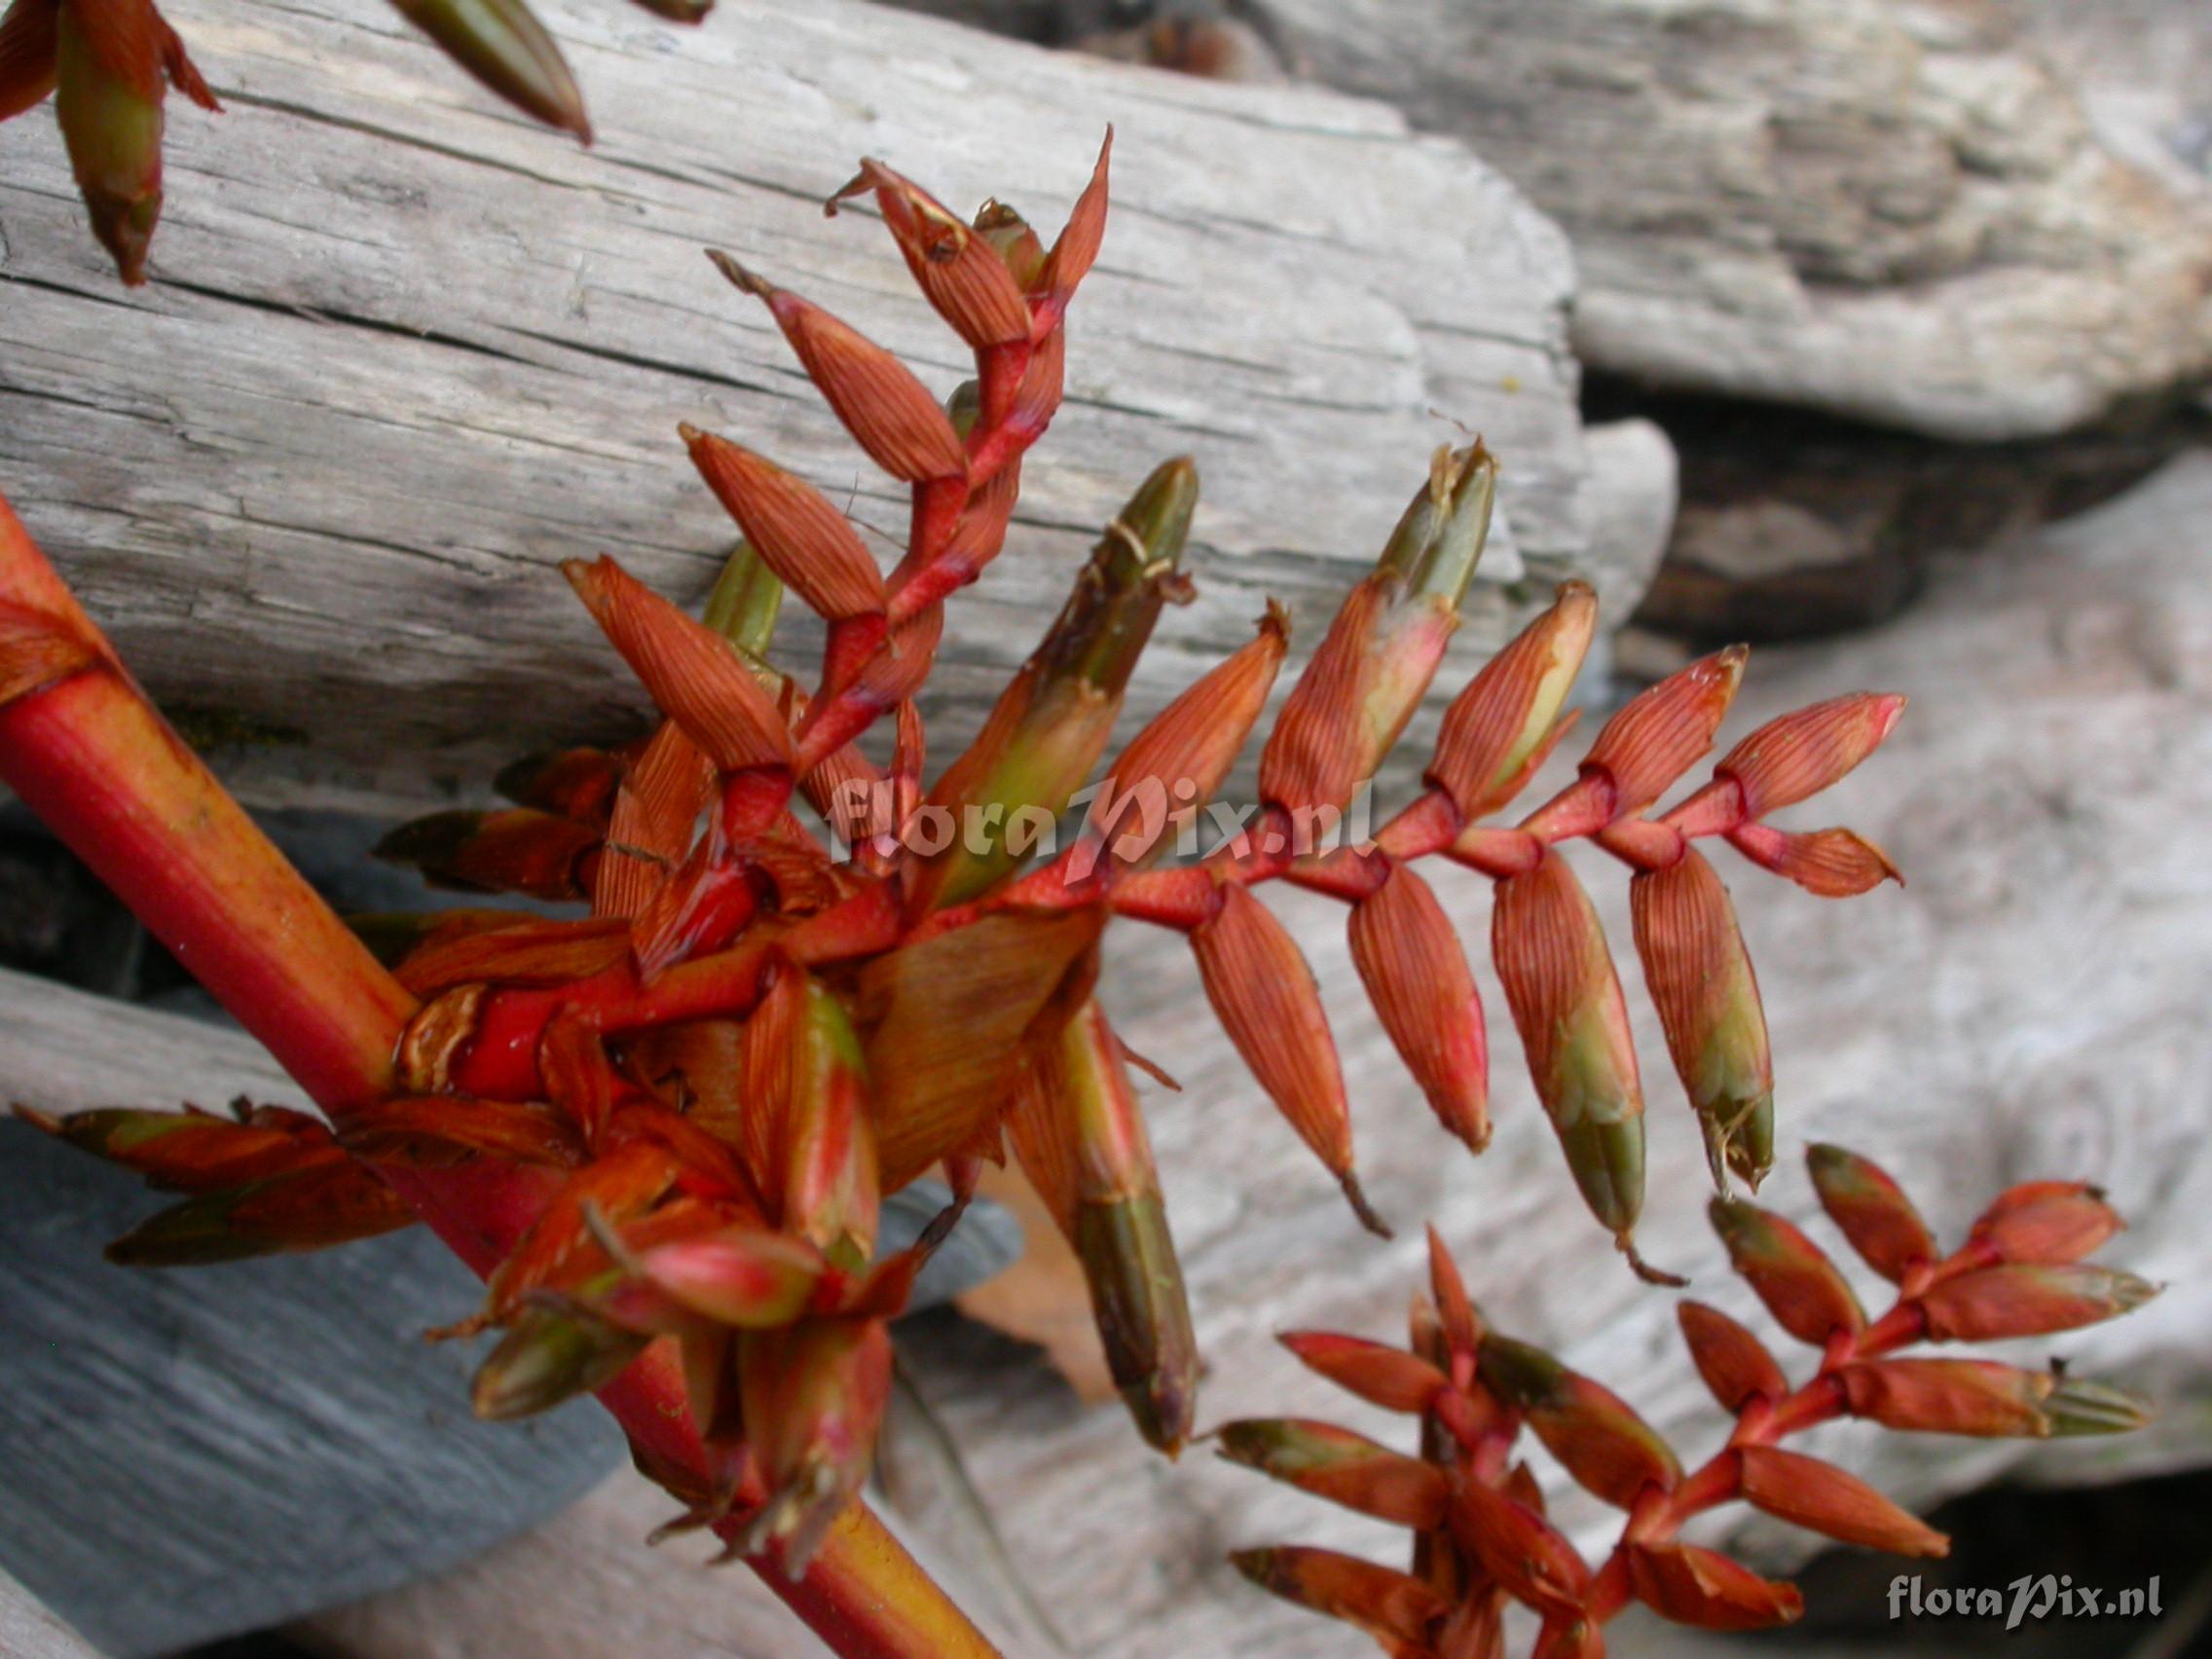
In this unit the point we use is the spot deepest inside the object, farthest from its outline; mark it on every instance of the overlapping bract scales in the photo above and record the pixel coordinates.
(1482, 1539)
(809, 976)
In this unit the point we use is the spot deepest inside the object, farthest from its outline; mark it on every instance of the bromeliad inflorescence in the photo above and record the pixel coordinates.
(699, 1093)
(1481, 1536)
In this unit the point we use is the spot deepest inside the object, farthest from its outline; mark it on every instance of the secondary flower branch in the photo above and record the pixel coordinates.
(1482, 1536)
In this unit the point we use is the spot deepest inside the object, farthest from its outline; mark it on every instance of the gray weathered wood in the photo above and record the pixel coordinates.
(404, 353)
(194, 1454)
(28, 1631)
(1889, 208)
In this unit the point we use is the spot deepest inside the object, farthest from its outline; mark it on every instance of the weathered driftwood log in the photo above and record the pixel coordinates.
(2031, 1005)
(1888, 208)
(27, 1631)
(403, 354)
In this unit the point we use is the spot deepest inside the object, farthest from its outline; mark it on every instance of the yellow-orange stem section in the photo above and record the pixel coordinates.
(122, 790)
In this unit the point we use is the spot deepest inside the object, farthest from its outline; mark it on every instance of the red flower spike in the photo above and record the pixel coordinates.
(889, 413)
(1796, 756)
(1950, 1396)
(1505, 716)
(1077, 249)
(1266, 998)
(1387, 1604)
(1661, 732)
(688, 668)
(2050, 1222)
(1416, 973)
(328, 1204)
(1569, 1639)
(828, 1178)
(810, 545)
(655, 809)
(1701, 1587)
(503, 44)
(26, 55)
(548, 1356)
(1870, 1210)
(1516, 1546)
(2028, 1300)
(1339, 1466)
(1822, 1499)
(1181, 757)
(624, 1184)
(1349, 706)
(194, 1150)
(1312, 757)
(515, 851)
(1381, 1375)
(1597, 1439)
(814, 1395)
(1458, 1320)
(38, 651)
(1011, 236)
(959, 273)
(1079, 1133)
(1799, 1285)
(1558, 979)
(112, 63)
(1044, 737)
(1829, 863)
(573, 783)
(1734, 1363)
(432, 1131)
(1425, 568)
(1701, 981)
(745, 1277)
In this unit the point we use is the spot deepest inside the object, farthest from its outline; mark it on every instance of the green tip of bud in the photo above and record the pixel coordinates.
(2129, 1293)
(547, 1357)
(1439, 541)
(1152, 528)
(745, 602)
(1520, 1374)
(1144, 1319)
(2080, 1407)
(965, 407)
(1606, 1159)
(1739, 1138)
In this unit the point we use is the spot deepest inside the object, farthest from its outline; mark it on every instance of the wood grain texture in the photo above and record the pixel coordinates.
(28, 1631)
(403, 354)
(1891, 209)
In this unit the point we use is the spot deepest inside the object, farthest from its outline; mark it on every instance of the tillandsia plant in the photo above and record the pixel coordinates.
(1481, 1536)
(110, 64)
(662, 1132)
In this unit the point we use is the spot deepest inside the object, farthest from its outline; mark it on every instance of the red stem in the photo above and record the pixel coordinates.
(108, 775)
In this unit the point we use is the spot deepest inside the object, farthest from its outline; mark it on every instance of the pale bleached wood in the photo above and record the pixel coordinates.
(28, 1631)
(1894, 210)
(404, 353)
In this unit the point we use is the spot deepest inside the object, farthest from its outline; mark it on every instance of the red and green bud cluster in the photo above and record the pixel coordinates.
(1482, 1539)
(701, 1091)
(1348, 709)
